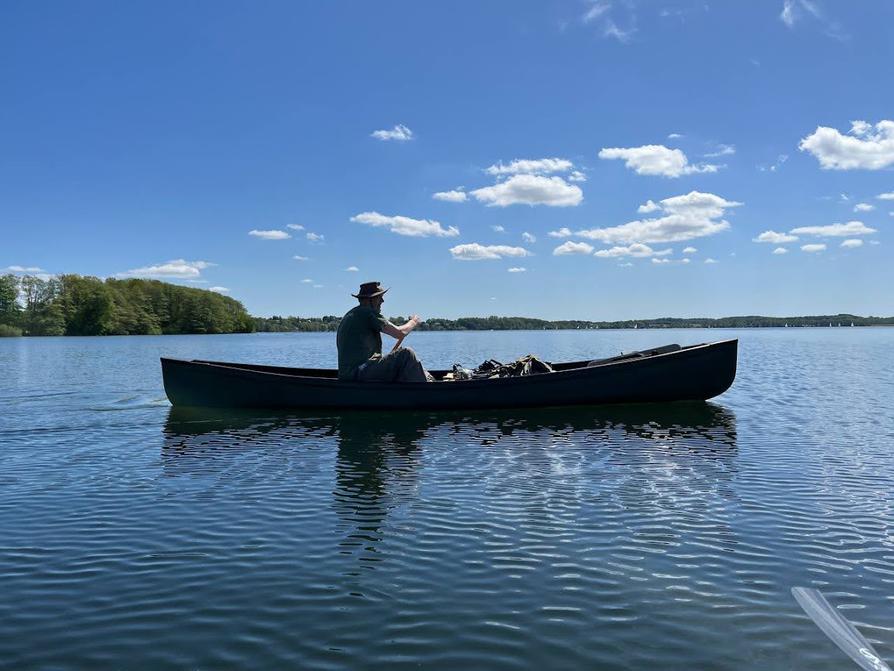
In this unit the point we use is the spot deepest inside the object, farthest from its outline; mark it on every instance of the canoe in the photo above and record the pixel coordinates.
(671, 373)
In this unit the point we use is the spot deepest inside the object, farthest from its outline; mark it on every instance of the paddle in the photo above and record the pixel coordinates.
(836, 627)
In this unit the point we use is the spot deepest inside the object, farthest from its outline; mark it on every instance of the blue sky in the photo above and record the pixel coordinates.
(442, 147)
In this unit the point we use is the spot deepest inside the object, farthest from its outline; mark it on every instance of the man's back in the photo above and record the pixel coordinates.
(359, 338)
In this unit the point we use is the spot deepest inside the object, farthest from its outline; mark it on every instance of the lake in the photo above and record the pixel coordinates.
(133, 536)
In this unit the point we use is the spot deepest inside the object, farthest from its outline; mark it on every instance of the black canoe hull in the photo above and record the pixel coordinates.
(693, 373)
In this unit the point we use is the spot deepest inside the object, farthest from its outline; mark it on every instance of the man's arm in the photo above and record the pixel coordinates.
(401, 332)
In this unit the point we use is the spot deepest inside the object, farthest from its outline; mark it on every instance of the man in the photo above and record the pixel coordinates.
(360, 343)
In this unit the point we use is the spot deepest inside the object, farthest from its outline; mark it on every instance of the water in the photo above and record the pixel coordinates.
(134, 536)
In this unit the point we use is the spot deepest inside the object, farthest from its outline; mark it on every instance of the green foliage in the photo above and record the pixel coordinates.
(7, 331)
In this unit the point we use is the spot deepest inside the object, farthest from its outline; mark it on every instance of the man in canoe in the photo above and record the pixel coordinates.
(360, 343)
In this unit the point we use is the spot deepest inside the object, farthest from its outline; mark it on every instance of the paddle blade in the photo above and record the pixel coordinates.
(836, 627)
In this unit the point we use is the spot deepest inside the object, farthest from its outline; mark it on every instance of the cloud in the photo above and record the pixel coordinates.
(399, 133)
(270, 235)
(864, 207)
(637, 249)
(318, 286)
(517, 270)
(455, 196)
(788, 13)
(851, 243)
(577, 176)
(315, 237)
(886, 196)
(655, 159)
(352, 269)
(296, 227)
(722, 150)
(599, 8)
(300, 258)
(654, 260)
(23, 269)
(414, 228)
(835, 230)
(690, 250)
(219, 290)
(525, 189)
(561, 233)
(528, 237)
(675, 136)
(176, 269)
(793, 10)
(813, 248)
(780, 250)
(710, 260)
(475, 252)
(648, 206)
(573, 248)
(861, 148)
(307, 280)
(498, 229)
(774, 237)
(780, 160)
(686, 217)
(538, 166)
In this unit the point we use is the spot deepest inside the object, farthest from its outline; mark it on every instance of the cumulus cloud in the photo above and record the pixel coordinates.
(315, 237)
(636, 249)
(414, 228)
(517, 270)
(686, 217)
(498, 229)
(573, 248)
(775, 238)
(852, 242)
(654, 260)
(710, 260)
(780, 250)
(219, 290)
(862, 148)
(813, 248)
(835, 230)
(399, 133)
(176, 269)
(528, 237)
(648, 206)
(526, 189)
(674, 136)
(864, 207)
(307, 280)
(300, 258)
(476, 252)
(655, 159)
(722, 150)
(561, 233)
(537, 166)
(270, 235)
(454, 196)
(577, 176)
(886, 196)
(352, 269)
(296, 227)
(690, 250)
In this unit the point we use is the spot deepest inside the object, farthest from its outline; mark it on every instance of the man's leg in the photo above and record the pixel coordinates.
(401, 365)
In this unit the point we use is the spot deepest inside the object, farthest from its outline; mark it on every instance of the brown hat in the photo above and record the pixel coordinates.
(370, 290)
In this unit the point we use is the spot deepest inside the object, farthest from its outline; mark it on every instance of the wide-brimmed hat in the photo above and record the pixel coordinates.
(370, 290)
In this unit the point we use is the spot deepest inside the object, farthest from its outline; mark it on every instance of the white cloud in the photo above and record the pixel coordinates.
(861, 148)
(577, 176)
(864, 207)
(636, 249)
(528, 237)
(352, 269)
(318, 286)
(219, 290)
(475, 252)
(886, 196)
(517, 270)
(690, 250)
(400, 133)
(813, 248)
(654, 260)
(655, 159)
(793, 10)
(852, 242)
(176, 269)
(307, 280)
(414, 228)
(775, 238)
(300, 258)
(788, 14)
(625, 265)
(684, 260)
(561, 233)
(537, 166)
(780, 250)
(528, 189)
(315, 237)
(23, 269)
(270, 235)
(498, 229)
(722, 150)
(835, 230)
(674, 136)
(573, 248)
(599, 8)
(648, 206)
(710, 260)
(455, 196)
(690, 216)
(296, 227)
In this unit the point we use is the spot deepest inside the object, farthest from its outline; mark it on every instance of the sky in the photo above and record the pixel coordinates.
(583, 159)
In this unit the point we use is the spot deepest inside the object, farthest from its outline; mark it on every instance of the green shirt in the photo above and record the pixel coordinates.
(359, 339)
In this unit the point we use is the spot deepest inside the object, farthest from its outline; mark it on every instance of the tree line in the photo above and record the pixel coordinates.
(77, 305)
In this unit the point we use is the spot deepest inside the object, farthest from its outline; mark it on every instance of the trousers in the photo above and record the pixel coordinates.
(401, 365)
